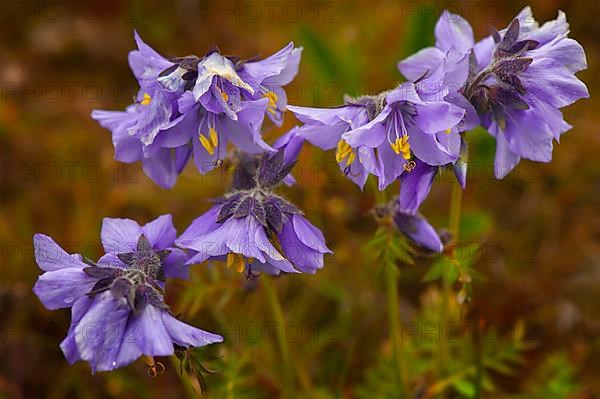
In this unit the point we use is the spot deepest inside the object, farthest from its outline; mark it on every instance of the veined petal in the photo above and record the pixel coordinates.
(120, 235)
(453, 31)
(418, 64)
(160, 232)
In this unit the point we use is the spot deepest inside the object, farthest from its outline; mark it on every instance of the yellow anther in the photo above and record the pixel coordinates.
(214, 137)
(273, 98)
(206, 144)
(146, 100)
(225, 96)
(237, 261)
(351, 158)
(344, 150)
(448, 131)
(402, 146)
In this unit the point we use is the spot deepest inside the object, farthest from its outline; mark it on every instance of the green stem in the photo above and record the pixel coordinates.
(391, 286)
(284, 348)
(455, 210)
(454, 225)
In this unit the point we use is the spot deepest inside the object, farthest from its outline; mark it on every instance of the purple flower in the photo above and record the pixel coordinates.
(414, 188)
(254, 229)
(517, 80)
(385, 135)
(418, 229)
(118, 308)
(268, 77)
(195, 106)
(409, 222)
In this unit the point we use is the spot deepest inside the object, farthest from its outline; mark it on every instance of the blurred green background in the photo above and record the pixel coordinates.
(538, 230)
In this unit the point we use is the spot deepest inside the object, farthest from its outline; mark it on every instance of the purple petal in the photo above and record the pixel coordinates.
(419, 230)
(278, 69)
(161, 168)
(175, 266)
(309, 235)
(429, 149)
(146, 63)
(127, 148)
(553, 83)
(150, 333)
(415, 186)
(433, 117)
(160, 232)
(506, 159)
(421, 62)
(292, 143)
(50, 256)
(245, 134)
(325, 137)
(100, 331)
(370, 135)
(187, 336)
(68, 345)
(61, 288)
(200, 226)
(304, 258)
(120, 235)
(390, 165)
(453, 32)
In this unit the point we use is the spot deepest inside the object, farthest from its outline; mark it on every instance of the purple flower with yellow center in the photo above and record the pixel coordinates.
(135, 130)
(517, 80)
(195, 106)
(254, 229)
(117, 304)
(385, 135)
(268, 76)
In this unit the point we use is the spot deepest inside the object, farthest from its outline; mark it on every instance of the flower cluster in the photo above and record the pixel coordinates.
(512, 83)
(192, 107)
(515, 80)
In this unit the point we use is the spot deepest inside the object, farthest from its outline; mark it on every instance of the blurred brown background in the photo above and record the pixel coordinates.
(539, 228)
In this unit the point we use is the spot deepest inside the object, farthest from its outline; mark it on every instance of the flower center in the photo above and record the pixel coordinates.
(137, 283)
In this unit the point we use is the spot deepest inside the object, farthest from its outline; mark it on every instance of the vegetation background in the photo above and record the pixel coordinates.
(537, 231)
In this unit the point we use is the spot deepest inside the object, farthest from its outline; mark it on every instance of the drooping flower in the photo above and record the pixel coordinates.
(195, 106)
(254, 229)
(385, 135)
(118, 308)
(517, 79)
(410, 223)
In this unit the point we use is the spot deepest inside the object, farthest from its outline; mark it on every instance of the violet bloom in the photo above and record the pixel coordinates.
(385, 135)
(254, 229)
(135, 130)
(411, 224)
(517, 80)
(226, 103)
(195, 106)
(118, 308)
(268, 76)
